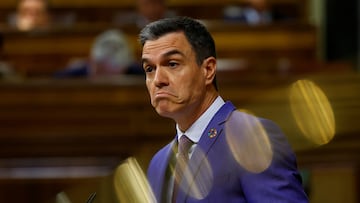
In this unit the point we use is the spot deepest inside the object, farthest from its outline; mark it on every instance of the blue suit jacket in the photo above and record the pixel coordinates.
(215, 175)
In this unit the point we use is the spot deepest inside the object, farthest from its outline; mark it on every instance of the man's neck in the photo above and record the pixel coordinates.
(191, 117)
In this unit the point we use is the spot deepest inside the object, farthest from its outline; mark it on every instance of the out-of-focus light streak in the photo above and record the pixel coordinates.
(312, 112)
(248, 142)
(131, 184)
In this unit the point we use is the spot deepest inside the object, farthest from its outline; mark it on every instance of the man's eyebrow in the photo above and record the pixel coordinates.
(144, 60)
(167, 54)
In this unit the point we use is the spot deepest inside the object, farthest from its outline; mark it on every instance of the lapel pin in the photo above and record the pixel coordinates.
(212, 133)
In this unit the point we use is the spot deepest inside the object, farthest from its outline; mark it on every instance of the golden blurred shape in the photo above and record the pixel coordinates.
(312, 111)
(248, 142)
(131, 184)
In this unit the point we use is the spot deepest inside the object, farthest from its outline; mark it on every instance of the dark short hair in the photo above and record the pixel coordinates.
(195, 32)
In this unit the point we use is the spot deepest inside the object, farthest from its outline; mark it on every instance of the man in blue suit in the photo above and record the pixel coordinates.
(235, 157)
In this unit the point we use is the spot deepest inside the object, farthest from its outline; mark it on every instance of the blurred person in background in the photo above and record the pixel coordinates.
(111, 54)
(146, 11)
(31, 15)
(150, 10)
(255, 12)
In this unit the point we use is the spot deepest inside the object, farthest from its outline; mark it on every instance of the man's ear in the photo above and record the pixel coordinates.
(209, 65)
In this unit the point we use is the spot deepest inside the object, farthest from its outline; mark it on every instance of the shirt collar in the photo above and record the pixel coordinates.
(197, 128)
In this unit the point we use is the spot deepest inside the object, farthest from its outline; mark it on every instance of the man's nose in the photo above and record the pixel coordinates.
(161, 77)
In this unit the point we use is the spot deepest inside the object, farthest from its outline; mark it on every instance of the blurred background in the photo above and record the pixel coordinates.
(74, 104)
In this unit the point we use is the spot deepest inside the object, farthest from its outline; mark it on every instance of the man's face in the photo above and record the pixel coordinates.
(176, 83)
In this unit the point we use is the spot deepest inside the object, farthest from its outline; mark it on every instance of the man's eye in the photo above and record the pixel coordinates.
(173, 64)
(148, 69)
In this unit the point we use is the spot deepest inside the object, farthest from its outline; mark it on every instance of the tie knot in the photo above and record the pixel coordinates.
(184, 144)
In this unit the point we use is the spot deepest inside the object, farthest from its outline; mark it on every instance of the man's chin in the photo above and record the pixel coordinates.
(164, 113)
(166, 108)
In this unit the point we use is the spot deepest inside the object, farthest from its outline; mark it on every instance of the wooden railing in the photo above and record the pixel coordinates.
(127, 3)
(296, 10)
